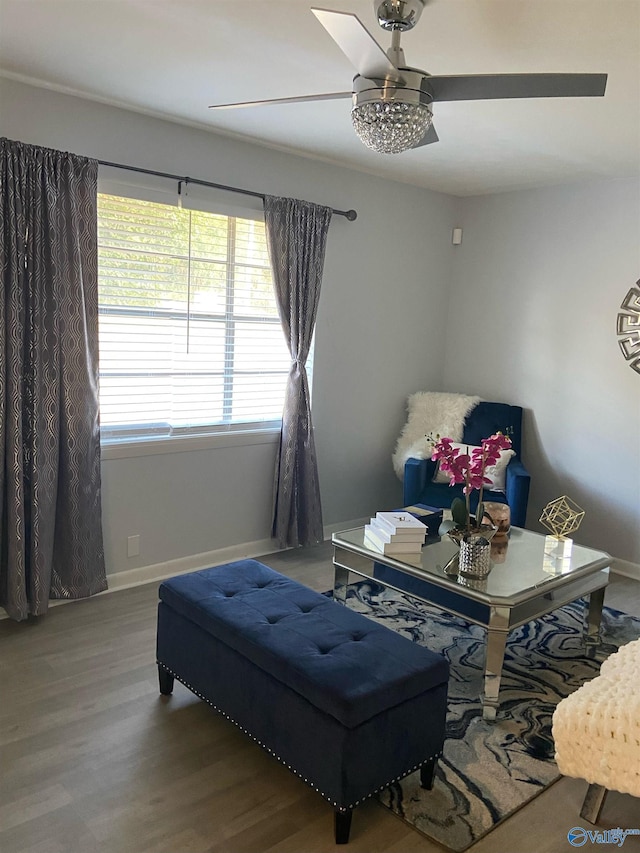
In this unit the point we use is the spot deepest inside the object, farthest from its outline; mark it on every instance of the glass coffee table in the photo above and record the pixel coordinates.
(535, 575)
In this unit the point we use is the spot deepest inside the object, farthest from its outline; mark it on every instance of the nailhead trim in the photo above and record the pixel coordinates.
(282, 761)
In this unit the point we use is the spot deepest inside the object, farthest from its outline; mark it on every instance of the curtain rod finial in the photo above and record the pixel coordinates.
(351, 215)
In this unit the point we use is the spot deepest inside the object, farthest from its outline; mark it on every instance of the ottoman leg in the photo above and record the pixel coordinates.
(166, 681)
(428, 773)
(593, 802)
(342, 825)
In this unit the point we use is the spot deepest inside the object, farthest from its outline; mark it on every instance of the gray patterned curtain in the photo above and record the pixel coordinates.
(50, 508)
(296, 237)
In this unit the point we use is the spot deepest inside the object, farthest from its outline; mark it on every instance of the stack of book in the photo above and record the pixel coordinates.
(395, 533)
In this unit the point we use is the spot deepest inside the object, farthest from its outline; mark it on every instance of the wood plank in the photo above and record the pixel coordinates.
(94, 759)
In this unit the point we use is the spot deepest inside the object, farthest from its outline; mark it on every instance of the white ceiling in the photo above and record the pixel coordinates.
(175, 57)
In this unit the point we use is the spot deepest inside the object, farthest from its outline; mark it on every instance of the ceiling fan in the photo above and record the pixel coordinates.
(392, 102)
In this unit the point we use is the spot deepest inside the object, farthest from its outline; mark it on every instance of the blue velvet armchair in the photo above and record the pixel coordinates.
(484, 420)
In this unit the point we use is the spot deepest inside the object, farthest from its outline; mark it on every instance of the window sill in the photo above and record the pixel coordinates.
(180, 444)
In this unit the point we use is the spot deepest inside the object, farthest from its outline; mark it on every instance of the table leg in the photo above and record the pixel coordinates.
(592, 627)
(496, 645)
(593, 802)
(340, 584)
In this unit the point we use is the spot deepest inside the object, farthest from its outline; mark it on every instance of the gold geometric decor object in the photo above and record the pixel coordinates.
(628, 328)
(562, 516)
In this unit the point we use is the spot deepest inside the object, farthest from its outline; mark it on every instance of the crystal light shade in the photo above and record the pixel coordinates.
(391, 127)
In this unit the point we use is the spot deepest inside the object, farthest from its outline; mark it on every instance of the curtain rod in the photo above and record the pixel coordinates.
(348, 214)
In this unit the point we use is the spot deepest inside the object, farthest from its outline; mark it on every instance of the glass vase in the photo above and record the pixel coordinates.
(474, 559)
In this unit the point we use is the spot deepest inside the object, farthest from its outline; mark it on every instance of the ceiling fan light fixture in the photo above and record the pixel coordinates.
(391, 127)
(400, 15)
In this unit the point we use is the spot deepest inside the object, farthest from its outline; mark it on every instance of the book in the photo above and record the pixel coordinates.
(431, 516)
(401, 522)
(391, 549)
(373, 541)
(401, 535)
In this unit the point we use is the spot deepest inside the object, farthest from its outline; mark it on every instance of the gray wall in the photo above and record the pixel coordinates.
(537, 284)
(528, 303)
(379, 337)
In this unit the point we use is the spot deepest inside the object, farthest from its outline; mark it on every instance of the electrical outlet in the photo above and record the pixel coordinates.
(133, 545)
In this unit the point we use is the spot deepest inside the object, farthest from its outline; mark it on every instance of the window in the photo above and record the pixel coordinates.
(190, 338)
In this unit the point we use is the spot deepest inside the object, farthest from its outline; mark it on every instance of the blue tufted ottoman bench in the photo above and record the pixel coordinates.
(345, 703)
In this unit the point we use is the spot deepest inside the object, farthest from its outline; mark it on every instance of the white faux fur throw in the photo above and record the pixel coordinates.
(430, 413)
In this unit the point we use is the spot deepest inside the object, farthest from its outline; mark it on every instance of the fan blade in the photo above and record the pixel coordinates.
(467, 87)
(429, 137)
(357, 44)
(301, 99)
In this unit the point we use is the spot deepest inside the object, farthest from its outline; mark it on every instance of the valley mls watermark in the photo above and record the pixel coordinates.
(578, 836)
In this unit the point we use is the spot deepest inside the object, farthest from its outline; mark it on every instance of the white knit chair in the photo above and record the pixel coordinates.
(597, 731)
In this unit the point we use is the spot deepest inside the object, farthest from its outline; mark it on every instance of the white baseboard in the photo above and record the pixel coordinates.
(193, 562)
(161, 571)
(330, 529)
(628, 570)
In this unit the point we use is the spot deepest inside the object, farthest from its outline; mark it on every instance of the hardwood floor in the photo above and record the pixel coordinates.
(92, 758)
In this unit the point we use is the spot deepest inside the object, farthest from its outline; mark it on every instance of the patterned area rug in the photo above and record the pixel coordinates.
(490, 770)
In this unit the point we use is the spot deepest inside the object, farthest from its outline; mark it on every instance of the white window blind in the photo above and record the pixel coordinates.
(190, 338)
